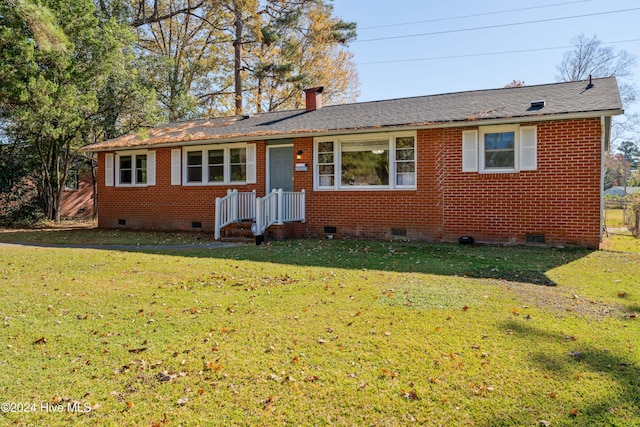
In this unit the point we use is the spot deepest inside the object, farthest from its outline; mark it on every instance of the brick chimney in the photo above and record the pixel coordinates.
(314, 98)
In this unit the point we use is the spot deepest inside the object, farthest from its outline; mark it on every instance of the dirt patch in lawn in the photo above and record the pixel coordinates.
(564, 302)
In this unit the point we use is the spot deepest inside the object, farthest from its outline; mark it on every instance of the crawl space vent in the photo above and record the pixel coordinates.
(399, 232)
(535, 238)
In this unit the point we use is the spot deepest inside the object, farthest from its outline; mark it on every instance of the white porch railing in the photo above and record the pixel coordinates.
(279, 207)
(266, 212)
(232, 208)
(276, 207)
(291, 206)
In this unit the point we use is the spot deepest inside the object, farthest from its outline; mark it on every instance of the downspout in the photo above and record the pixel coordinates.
(605, 123)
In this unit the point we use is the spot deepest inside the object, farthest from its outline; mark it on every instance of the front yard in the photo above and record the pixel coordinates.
(320, 333)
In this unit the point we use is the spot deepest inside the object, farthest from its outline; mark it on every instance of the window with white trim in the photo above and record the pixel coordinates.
(499, 149)
(135, 168)
(219, 164)
(366, 162)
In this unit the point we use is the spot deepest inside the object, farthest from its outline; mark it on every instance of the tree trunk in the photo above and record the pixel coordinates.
(237, 64)
(624, 180)
(94, 182)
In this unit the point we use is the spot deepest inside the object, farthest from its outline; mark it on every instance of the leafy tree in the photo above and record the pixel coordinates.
(184, 57)
(49, 95)
(616, 167)
(42, 24)
(629, 152)
(18, 197)
(302, 44)
(212, 58)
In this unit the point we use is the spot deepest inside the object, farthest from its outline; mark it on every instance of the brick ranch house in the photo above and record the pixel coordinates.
(511, 165)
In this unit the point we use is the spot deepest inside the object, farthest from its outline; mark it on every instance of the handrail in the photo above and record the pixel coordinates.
(266, 212)
(279, 207)
(233, 207)
(276, 207)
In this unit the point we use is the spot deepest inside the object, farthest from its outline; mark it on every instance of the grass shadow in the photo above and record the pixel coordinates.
(517, 264)
(513, 263)
(624, 371)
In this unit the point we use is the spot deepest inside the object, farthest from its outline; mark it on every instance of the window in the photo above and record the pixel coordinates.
(219, 164)
(499, 149)
(405, 161)
(72, 182)
(194, 166)
(141, 169)
(365, 163)
(238, 160)
(136, 168)
(326, 167)
(374, 161)
(216, 165)
(125, 170)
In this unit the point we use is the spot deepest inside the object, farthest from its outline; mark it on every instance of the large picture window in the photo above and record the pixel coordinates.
(220, 164)
(365, 163)
(374, 161)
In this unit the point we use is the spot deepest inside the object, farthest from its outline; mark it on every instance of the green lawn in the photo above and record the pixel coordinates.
(321, 333)
(86, 233)
(620, 238)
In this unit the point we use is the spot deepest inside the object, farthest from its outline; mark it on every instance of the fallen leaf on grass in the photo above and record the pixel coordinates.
(574, 412)
(410, 395)
(162, 421)
(213, 366)
(267, 402)
(137, 350)
(182, 401)
(42, 340)
(387, 373)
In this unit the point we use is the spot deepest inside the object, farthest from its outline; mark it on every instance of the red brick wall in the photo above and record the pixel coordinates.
(78, 204)
(561, 199)
(164, 206)
(375, 213)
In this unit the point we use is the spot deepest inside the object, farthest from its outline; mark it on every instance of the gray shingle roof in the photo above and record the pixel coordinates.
(461, 108)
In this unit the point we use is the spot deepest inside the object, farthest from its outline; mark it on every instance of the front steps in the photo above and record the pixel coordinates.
(239, 232)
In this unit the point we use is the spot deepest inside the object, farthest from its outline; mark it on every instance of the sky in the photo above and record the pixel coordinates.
(422, 47)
